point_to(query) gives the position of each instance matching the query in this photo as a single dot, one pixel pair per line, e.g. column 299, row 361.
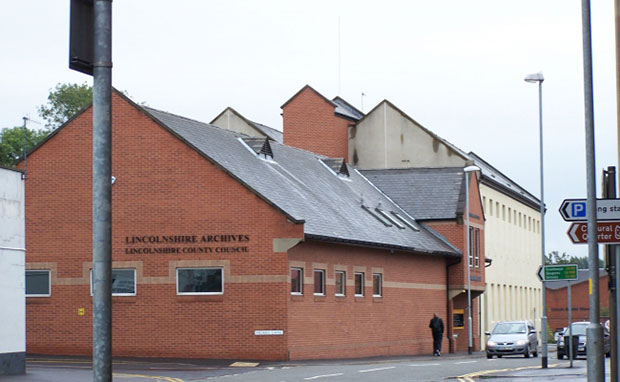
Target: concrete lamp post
column 539, row 78
column 467, row 170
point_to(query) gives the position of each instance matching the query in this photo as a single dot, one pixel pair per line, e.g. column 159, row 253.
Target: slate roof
column 425, row 193
column 347, row 110
column 302, row 187
column 494, row 178
column 272, row 133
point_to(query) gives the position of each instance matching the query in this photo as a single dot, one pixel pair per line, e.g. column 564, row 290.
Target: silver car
column 512, row 337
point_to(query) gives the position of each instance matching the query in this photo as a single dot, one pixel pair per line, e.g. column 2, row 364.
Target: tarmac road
column 452, row 367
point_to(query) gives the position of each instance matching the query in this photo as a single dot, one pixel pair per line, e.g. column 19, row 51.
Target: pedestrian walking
column 436, row 326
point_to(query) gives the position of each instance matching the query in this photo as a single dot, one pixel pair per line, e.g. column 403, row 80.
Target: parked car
column 512, row 337
column 579, row 329
column 559, row 332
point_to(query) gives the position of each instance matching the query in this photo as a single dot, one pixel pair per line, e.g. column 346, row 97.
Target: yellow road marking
column 470, row 377
column 154, row 377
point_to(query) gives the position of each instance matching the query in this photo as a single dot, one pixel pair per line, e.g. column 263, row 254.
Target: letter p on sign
column 579, row 209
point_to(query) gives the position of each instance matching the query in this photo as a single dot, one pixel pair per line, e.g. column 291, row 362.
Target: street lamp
column 467, row 170
column 533, row 78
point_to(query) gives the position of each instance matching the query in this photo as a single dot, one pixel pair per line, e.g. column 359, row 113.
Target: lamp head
column 536, row 77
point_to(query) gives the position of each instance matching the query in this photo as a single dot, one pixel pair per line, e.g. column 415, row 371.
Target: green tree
column 582, row 261
column 12, row 143
column 63, row 102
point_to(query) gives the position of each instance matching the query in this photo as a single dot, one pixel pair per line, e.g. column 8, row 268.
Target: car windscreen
column 578, row 330
column 509, row 328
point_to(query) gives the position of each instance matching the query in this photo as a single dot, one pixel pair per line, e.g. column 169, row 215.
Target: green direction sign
column 557, row 272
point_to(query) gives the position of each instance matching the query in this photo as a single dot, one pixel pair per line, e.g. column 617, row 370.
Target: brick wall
column 394, row 324
column 162, row 187
column 309, row 123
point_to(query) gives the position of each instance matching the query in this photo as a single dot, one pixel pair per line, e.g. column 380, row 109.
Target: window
column 123, row 282
column 359, row 283
column 38, row 283
column 319, row 282
column 474, row 247
column 377, row 285
column 509, row 214
column 503, row 212
column 199, row 281
column 296, row 280
column 341, row 278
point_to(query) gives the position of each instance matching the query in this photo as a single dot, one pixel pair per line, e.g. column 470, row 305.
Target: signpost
column 557, row 272
column 575, row 209
column 606, row 233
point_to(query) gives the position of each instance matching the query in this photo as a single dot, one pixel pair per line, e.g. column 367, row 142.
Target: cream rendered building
column 387, row 138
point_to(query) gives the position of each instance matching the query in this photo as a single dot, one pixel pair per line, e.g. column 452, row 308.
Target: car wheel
column 489, row 356
column 527, row 351
column 499, row 356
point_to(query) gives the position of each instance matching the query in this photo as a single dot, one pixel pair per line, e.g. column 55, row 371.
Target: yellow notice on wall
column 80, row 311
column 589, row 286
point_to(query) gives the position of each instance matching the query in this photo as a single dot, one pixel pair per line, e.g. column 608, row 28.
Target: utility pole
column 609, row 192
column 594, row 332
column 90, row 52
column 102, row 192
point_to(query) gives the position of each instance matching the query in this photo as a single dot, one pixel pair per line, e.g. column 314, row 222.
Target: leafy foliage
column 64, row 102
column 12, row 143
column 582, row 262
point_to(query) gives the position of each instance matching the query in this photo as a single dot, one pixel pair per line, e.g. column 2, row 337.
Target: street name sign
column 606, row 233
column 557, row 272
column 575, row 209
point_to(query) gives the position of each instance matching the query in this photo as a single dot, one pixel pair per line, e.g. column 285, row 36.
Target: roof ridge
column 149, row 109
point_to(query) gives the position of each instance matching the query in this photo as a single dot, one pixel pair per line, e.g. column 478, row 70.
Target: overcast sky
column 456, row 67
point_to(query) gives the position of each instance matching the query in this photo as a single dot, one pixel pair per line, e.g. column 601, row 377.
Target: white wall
column 12, row 263
column 513, row 291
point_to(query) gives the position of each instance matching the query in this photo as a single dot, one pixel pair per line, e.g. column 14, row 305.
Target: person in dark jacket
column 436, row 326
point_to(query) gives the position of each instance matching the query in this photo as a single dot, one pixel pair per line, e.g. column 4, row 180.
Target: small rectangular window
column 297, row 275
column 340, row 283
column 377, row 287
column 123, row 282
column 359, row 284
column 38, row 283
column 199, row 281
column 319, row 282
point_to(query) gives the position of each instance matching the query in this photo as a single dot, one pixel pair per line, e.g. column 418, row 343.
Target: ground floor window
column 199, row 281
column 340, row 283
column 359, row 283
column 123, row 282
column 377, row 284
column 296, row 280
column 319, row 282
column 38, row 283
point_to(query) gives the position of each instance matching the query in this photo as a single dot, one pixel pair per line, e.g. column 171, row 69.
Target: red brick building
column 226, row 246
column 434, row 196
column 557, row 299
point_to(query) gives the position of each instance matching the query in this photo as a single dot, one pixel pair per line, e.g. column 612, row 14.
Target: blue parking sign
column 578, row 209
